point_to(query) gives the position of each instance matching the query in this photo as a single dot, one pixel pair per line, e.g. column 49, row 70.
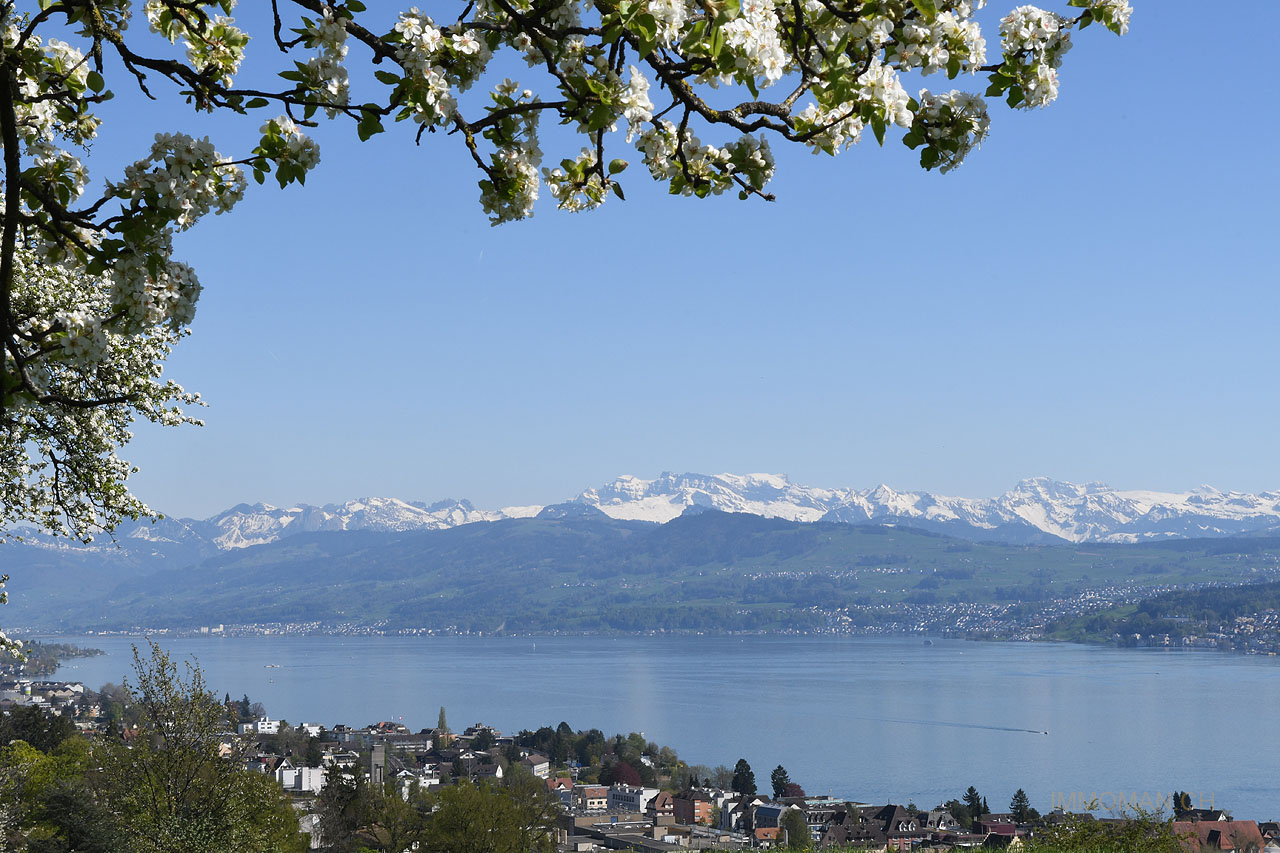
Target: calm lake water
column 868, row 719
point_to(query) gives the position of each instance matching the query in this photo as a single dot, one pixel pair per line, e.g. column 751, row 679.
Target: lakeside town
column 1254, row 632
column 612, row 793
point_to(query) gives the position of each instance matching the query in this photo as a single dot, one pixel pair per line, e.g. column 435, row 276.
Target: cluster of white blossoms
column 292, row 146
column 427, row 88
column 183, row 178
column 671, row 16
column 96, row 357
column 696, row 169
column 85, row 339
column 753, row 36
column 949, row 42
column 952, row 124
column 1114, row 14
column 578, row 185
column 67, row 64
column 511, row 188
column 881, row 89
column 831, row 130
column 213, row 42
column 58, row 166
column 880, row 98
column 326, row 75
column 634, row 99
column 1034, row 42
column 153, row 290
column 62, row 69
column 9, row 646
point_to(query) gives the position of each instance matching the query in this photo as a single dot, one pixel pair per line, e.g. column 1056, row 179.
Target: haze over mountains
column 684, row 551
column 1038, row 510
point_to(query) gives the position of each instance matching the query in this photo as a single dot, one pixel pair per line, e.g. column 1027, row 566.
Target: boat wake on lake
column 910, row 722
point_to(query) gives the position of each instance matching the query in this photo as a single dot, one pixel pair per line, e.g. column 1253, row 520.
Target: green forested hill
column 711, row 571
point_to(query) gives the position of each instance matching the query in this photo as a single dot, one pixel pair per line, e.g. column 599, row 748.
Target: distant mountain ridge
column 1038, row 510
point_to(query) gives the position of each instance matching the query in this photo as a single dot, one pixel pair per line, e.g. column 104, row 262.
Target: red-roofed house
column 1242, row 836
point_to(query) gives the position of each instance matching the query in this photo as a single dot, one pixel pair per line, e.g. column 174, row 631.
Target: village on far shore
column 623, row 792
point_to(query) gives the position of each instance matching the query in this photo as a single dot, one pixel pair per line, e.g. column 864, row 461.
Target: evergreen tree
column 744, row 780
column 973, row 803
column 1020, row 806
column 441, row 723
column 779, row 779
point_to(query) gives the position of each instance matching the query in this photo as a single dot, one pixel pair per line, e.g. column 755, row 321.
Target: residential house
column 487, row 773
column 299, row 780
column 692, row 806
column 537, row 764
column 590, row 798
column 630, row 798
column 661, row 806
column 562, row 789
column 736, row 814
column 1241, row 836
column 938, row 819
column 264, row 726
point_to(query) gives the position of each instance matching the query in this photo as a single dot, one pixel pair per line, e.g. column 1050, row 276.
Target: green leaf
column 618, row 166
column 928, row 8
column 878, row 127
column 717, row 42
column 255, row 103
column 95, row 81
column 646, row 27
column 368, row 126
column 617, row 190
column 386, row 77
column 355, row 5
column 929, row 157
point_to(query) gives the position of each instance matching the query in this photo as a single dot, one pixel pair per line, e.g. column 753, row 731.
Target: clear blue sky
column 1092, row 296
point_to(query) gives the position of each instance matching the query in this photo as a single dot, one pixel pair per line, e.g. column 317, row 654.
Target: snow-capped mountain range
column 1036, row 510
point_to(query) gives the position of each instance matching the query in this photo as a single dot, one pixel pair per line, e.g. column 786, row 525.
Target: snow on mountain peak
column 1037, row 509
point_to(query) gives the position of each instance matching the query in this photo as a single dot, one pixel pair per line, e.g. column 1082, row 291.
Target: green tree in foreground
column 1141, row 833
column 173, row 789
column 170, row 790
column 485, row 819
column 795, row 831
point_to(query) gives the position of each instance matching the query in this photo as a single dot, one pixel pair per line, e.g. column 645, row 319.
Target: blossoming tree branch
column 92, row 299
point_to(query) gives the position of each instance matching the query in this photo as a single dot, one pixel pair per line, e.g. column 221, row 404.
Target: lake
column 871, row 719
